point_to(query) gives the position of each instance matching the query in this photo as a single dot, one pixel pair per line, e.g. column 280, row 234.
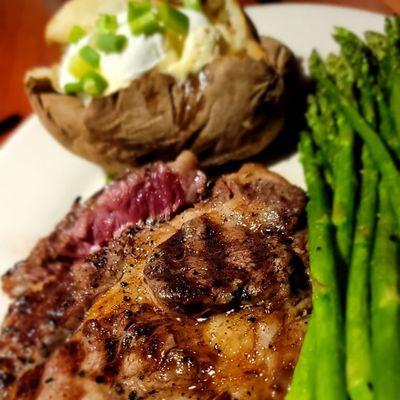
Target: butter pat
column 202, row 46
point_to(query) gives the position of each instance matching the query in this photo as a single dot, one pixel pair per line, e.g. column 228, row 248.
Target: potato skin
column 230, row 111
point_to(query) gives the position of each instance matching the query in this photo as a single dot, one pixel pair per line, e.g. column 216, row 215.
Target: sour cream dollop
column 145, row 52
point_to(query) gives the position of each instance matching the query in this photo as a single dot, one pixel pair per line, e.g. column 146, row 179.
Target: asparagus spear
column 385, row 302
column 392, row 30
column 344, row 190
column 386, row 48
column 358, row 346
column 334, row 112
column 303, row 382
column 329, row 370
column 321, row 136
column 365, row 63
column 395, row 101
column 338, row 67
column 379, row 47
column 376, row 147
column 377, row 43
column 360, row 58
column 386, row 125
column 343, row 162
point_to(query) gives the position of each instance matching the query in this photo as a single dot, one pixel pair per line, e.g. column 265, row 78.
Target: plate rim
column 325, row 7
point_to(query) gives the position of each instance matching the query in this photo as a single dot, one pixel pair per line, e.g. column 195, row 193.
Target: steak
column 210, row 305
column 55, row 299
column 148, row 194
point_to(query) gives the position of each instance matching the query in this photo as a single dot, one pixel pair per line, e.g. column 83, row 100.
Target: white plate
column 39, row 179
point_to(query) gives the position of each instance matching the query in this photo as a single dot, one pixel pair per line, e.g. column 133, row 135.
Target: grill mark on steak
column 154, row 340
column 29, row 384
column 205, row 267
column 149, row 194
column 135, row 344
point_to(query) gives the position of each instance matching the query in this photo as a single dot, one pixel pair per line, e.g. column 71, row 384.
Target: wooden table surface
column 22, row 46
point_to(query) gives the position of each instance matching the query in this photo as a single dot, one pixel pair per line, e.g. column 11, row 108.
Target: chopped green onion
column 110, row 42
column 193, row 4
column 174, row 41
column 73, row 88
column 110, row 177
column 76, row 34
column 145, row 24
column 137, row 8
column 107, row 23
column 90, row 55
column 79, row 67
column 173, row 19
column 94, row 84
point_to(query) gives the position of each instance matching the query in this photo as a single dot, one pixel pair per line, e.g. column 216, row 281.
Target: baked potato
column 229, row 109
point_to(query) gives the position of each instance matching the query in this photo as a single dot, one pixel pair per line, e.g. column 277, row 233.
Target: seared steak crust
column 39, row 321
column 212, row 305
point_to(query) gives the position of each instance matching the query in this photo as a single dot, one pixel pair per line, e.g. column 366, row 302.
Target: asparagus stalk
column 386, row 49
column 327, row 316
column 343, row 162
column 364, row 63
column 377, row 43
column 338, row 67
column 386, row 125
column 395, row 101
column 358, row 346
column 379, row 47
column 344, row 190
column 360, row 58
column 357, row 91
column 303, row 382
column 376, row 147
column 385, row 302
column 392, row 30
column 321, row 136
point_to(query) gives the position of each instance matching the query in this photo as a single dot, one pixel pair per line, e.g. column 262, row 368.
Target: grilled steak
column 211, row 305
column 51, row 310
column 152, row 194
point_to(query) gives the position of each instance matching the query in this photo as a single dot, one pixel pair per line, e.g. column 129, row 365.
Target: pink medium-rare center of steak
column 150, row 194
column 147, row 195
column 153, row 194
